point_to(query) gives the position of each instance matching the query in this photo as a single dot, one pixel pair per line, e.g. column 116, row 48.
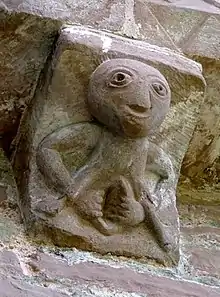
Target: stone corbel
column 100, row 148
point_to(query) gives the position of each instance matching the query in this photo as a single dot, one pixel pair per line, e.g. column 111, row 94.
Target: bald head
column 129, row 97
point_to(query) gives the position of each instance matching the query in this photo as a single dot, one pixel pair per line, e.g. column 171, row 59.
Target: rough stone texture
column 28, row 30
column 10, row 288
column 189, row 29
column 30, row 270
column 200, row 215
column 206, row 261
column 200, row 181
column 184, row 25
column 201, row 241
column 63, row 97
column 193, row 27
column 51, row 275
column 203, row 255
column 11, row 283
column 201, row 5
column 9, row 263
column 188, row 26
column 108, row 191
column 8, row 189
column 106, row 14
column 118, row 278
column 26, row 41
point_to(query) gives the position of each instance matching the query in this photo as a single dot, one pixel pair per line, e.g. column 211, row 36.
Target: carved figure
column 128, row 100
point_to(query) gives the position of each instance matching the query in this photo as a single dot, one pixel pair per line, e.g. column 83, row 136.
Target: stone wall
column 179, row 25
column 29, row 33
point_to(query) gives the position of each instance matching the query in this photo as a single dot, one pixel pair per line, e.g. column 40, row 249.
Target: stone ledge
column 206, row 261
column 60, row 273
column 9, row 263
column 123, row 279
column 10, row 287
column 201, row 5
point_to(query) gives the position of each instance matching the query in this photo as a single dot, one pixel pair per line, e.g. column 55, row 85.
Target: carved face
column 129, row 97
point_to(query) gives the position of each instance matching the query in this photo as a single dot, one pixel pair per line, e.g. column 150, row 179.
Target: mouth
column 138, row 110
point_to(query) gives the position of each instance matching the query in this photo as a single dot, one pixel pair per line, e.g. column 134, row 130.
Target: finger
column 112, row 217
column 125, row 205
column 96, row 204
column 97, row 214
column 98, row 199
column 126, row 199
column 124, row 214
column 119, row 188
column 126, row 186
column 111, row 203
column 97, row 209
column 113, row 211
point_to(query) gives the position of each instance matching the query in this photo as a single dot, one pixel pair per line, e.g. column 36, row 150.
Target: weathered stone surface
column 105, row 14
column 9, row 264
column 200, row 182
column 193, row 27
column 201, row 246
column 216, row 3
column 10, row 287
column 28, row 30
column 8, row 228
column 64, row 97
column 11, row 283
column 123, row 279
column 8, row 189
column 3, row 195
column 206, row 261
column 103, row 192
column 199, row 215
column 84, row 274
column 181, row 25
column 26, row 41
column 189, row 29
column 202, row 5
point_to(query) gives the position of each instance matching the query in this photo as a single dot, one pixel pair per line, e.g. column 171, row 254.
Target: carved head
column 129, row 97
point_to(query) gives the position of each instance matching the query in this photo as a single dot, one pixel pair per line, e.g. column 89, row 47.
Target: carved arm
column 69, row 139
column 160, row 164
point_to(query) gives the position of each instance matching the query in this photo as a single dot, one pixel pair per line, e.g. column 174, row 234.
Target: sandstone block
column 60, row 106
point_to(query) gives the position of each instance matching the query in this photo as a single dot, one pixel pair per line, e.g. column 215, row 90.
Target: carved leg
column 161, row 231
column 162, row 234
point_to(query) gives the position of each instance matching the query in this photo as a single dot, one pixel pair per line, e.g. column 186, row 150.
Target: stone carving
column 131, row 99
column 99, row 150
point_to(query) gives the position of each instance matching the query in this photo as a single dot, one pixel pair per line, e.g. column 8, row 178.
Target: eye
column 160, row 89
column 120, row 79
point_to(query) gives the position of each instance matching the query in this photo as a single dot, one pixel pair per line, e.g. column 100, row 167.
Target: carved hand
column 88, row 203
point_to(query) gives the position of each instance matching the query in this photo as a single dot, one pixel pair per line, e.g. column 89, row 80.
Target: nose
column 141, row 104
